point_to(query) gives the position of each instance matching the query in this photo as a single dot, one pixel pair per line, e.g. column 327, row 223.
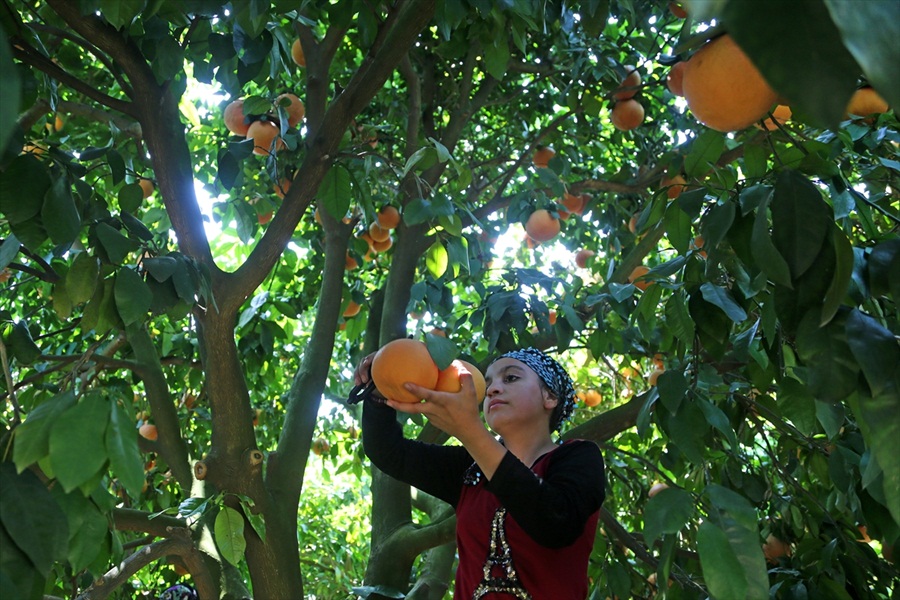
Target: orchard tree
column 212, row 211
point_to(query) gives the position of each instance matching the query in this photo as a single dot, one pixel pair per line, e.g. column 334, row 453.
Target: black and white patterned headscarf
column 554, row 377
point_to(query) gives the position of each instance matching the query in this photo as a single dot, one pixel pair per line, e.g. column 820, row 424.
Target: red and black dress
column 527, row 533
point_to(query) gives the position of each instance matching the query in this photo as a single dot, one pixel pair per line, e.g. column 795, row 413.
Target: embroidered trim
column 500, row 558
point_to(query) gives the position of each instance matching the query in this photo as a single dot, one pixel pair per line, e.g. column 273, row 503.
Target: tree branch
column 129, row 519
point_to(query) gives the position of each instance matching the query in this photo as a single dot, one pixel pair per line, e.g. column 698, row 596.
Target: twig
column 9, row 385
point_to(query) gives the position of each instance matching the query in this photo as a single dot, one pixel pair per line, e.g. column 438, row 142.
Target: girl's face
column 515, row 395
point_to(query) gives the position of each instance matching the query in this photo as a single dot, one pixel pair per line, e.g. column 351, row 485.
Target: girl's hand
column 455, row 413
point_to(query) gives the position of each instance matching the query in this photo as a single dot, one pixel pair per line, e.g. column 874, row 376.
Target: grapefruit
column 542, row 156
column 297, row 53
column 234, row 118
column 448, row 379
column 263, row 134
column 866, row 102
column 627, row 115
column 542, row 226
column 402, row 361
column 629, row 86
column 292, row 106
column 723, row 89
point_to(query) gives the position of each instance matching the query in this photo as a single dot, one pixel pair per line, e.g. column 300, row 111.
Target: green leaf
column 870, row 31
column 335, row 193
column 722, row 298
column 722, row 573
column 704, row 153
column 77, row 441
column 800, row 221
column 442, row 350
column 229, row 534
column 116, row 245
column 32, row 438
column 678, row 227
column 667, row 512
column 843, row 273
column 257, row 520
column 32, row 517
column 88, row 527
column 23, row 184
column 120, row 13
column 9, row 249
column 878, row 354
column 10, row 92
column 130, row 197
column 133, row 297
column 496, row 57
column 122, row 448
column 437, row 259
column 764, row 251
column 116, row 165
column 716, row 417
column 678, row 319
column 798, row 405
column 808, row 65
column 22, row 345
column 81, row 280
column 831, row 367
column 672, row 386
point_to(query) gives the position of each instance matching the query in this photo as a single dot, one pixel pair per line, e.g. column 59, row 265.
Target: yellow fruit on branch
column 674, row 186
column 402, row 361
column 388, row 216
column 146, row 187
column 583, row 256
column 635, row 277
column 148, row 431
column 780, row 116
column 723, row 89
column 866, row 102
column 675, row 78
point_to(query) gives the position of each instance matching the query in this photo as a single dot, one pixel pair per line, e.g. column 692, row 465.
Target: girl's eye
column 509, row 378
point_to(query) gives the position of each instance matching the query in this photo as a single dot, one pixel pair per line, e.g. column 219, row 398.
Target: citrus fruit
column 639, row 271
column 629, row 86
column 657, row 488
column 542, row 226
column 866, row 102
column 146, row 187
column 673, row 186
column 378, row 233
column 234, row 118
column 780, row 116
column 592, row 398
column 352, row 310
column 293, row 107
column 148, row 431
column 388, row 216
column 627, row 115
column 582, row 257
column 263, row 134
column 448, row 379
column 723, row 89
column 675, row 78
column 402, row 361
column 542, row 156
column 297, row 53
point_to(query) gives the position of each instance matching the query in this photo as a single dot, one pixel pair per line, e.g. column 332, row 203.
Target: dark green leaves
column 133, row 297
column 667, row 512
column 229, row 534
column 334, row 192
column 59, row 213
column 870, row 31
column 23, row 185
column 33, row 519
column 800, row 221
column 9, row 92
column 77, row 442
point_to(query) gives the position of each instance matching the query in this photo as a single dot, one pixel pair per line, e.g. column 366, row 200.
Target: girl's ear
column 550, row 401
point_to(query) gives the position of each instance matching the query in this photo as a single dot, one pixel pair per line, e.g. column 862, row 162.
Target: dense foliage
column 179, row 323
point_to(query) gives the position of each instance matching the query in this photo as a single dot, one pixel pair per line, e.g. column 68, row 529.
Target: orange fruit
column 866, row 102
column 657, row 488
column 573, row 203
column 233, row 116
column 542, row 156
column 632, row 223
column 723, row 89
column 350, row 263
column 388, row 216
column 658, row 361
column 673, row 186
column 148, row 431
column 264, row 217
column 146, row 186
column 629, row 86
column 675, row 78
column 402, row 361
column 582, row 257
column 780, row 116
column 448, row 379
column 551, row 317
column 320, row 446
column 592, row 398
column 382, row 246
column 541, row 226
column 294, row 109
column 627, row 115
column 378, row 233
column 639, row 271
column 352, row 310
column 297, row 53
column 653, row 377
column 263, row 134
column 775, row 548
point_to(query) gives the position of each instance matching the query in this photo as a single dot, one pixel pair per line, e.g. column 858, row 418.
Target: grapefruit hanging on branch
column 723, row 89
column 400, row 361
